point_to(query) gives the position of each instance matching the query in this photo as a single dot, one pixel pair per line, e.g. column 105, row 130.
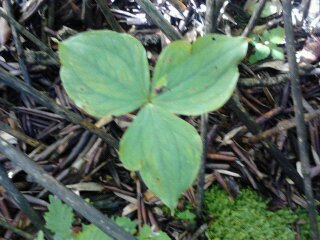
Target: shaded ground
column 77, row 157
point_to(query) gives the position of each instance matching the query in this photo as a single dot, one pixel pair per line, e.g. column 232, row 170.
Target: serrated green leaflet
column 59, row 219
column 126, row 223
column 104, row 72
column 202, row 78
column 165, row 149
column 92, row 232
column 146, row 233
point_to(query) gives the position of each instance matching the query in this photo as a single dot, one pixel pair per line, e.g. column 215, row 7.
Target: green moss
column 304, row 226
column 246, row 218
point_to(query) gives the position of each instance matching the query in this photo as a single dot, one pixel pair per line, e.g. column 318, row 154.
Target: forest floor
column 252, row 141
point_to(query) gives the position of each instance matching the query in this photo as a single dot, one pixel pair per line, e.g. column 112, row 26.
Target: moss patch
column 247, row 218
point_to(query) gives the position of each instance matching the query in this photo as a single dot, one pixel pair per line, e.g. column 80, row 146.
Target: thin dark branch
column 18, row 44
column 70, row 198
column 201, row 174
column 109, row 16
column 212, row 14
column 22, row 202
column 264, row 81
column 21, row 136
column 42, row 99
column 6, row 225
column 237, row 108
column 283, row 125
column 159, row 20
column 30, row 36
column 298, row 109
column 51, row 13
column 203, row 228
column 21, row 57
column 255, row 15
column 213, row 9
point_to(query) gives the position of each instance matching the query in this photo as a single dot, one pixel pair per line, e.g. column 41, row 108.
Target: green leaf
column 161, row 236
column 104, row 72
column 202, row 77
column 276, row 52
column 186, row 215
column 255, row 38
column 126, row 223
column 265, row 38
column 261, row 51
column 269, row 9
column 277, row 35
column 252, row 59
column 168, row 60
column 59, row 219
column 147, row 234
column 166, row 150
column 40, row 236
column 91, row 232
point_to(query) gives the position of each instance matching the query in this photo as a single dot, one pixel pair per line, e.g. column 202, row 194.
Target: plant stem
column 213, row 9
column 201, row 174
column 298, row 109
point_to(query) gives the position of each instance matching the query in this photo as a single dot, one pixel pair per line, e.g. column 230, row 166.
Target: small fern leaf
column 93, row 233
column 126, row 223
column 59, row 219
column 146, row 233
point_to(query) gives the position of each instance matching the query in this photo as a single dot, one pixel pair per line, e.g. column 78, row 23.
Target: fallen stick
column 70, row 198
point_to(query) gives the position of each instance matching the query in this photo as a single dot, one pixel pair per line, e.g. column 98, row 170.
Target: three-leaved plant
column 106, row 73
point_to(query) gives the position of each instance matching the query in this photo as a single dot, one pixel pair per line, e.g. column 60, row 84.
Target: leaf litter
column 79, row 159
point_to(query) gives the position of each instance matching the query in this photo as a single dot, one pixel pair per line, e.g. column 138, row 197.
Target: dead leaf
column 311, row 51
column 5, row 31
column 86, row 186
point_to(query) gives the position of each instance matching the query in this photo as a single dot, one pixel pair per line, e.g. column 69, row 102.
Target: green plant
column 59, row 220
column 146, row 233
column 107, row 73
column 246, row 217
column 270, row 8
column 186, row 215
column 304, row 224
column 266, row 45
